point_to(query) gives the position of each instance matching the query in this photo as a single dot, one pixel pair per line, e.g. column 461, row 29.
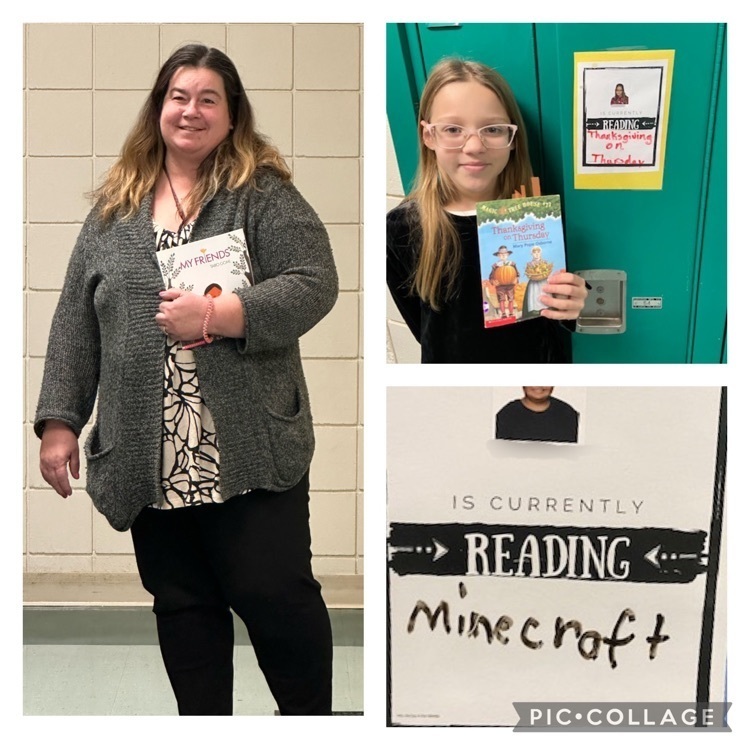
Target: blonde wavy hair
column 439, row 257
column 232, row 164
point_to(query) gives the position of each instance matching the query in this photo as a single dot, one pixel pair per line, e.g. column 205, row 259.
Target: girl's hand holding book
column 565, row 294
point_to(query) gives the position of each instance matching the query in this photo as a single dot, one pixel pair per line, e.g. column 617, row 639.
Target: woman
column 202, row 453
column 537, row 272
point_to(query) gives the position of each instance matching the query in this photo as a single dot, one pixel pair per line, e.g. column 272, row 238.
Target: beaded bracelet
column 207, row 337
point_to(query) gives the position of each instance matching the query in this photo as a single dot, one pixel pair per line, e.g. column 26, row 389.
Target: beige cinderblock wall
column 84, row 84
column 401, row 347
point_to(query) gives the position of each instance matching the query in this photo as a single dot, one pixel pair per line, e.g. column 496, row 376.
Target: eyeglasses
column 455, row 136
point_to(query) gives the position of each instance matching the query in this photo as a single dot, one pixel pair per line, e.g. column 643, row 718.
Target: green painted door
column 671, row 242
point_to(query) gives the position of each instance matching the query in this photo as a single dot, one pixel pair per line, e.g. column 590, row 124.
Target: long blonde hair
column 232, row 163
column 439, row 257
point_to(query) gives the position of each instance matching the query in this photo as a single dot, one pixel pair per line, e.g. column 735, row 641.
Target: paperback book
column 520, row 246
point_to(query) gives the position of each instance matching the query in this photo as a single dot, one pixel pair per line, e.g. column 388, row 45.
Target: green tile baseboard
column 110, row 626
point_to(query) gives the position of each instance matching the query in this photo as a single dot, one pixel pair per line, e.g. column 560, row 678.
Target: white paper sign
column 522, row 571
column 621, row 118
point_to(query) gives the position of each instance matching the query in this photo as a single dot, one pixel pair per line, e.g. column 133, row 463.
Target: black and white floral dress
column 190, row 451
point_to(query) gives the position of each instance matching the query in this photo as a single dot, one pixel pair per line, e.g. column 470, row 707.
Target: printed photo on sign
column 539, row 413
column 525, row 572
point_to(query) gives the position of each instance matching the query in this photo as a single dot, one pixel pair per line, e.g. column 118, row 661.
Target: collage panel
column 541, row 205
column 192, row 296
column 558, row 577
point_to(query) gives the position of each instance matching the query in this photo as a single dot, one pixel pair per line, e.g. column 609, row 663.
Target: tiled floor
column 106, row 662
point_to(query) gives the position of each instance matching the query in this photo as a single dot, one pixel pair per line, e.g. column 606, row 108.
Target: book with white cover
column 210, row 266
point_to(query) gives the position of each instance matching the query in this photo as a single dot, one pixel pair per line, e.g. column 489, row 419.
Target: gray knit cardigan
column 104, row 338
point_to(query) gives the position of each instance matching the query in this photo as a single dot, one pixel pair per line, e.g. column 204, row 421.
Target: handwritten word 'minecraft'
column 531, row 634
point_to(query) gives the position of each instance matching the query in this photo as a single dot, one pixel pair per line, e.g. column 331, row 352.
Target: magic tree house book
column 520, row 246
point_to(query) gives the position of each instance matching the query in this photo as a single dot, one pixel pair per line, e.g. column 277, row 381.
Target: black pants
column 250, row 553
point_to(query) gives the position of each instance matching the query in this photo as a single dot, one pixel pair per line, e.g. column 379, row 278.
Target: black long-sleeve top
column 456, row 332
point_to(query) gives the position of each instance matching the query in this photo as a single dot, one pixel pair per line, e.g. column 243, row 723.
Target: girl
column 473, row 148
column 620, row 96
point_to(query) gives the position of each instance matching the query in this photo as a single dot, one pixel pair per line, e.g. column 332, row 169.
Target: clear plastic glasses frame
column 454, row 137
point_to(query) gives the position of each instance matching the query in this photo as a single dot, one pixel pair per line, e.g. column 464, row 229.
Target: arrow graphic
column 655, row 555
column 440, row 550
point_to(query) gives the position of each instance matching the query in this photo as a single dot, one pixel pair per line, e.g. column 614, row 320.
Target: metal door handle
column 604, row 311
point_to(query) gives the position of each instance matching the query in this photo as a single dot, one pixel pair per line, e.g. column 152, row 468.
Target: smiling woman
column 203, row 454
column 195, row 115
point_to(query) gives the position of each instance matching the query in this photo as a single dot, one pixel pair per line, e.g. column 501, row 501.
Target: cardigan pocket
column 93, row 448
column 292, row 440
column 101, row 482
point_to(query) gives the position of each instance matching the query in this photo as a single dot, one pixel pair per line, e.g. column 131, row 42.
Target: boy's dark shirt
column 557, row 424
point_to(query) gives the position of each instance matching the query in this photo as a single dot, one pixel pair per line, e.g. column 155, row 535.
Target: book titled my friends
column 520, row 246
column 215, row 265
